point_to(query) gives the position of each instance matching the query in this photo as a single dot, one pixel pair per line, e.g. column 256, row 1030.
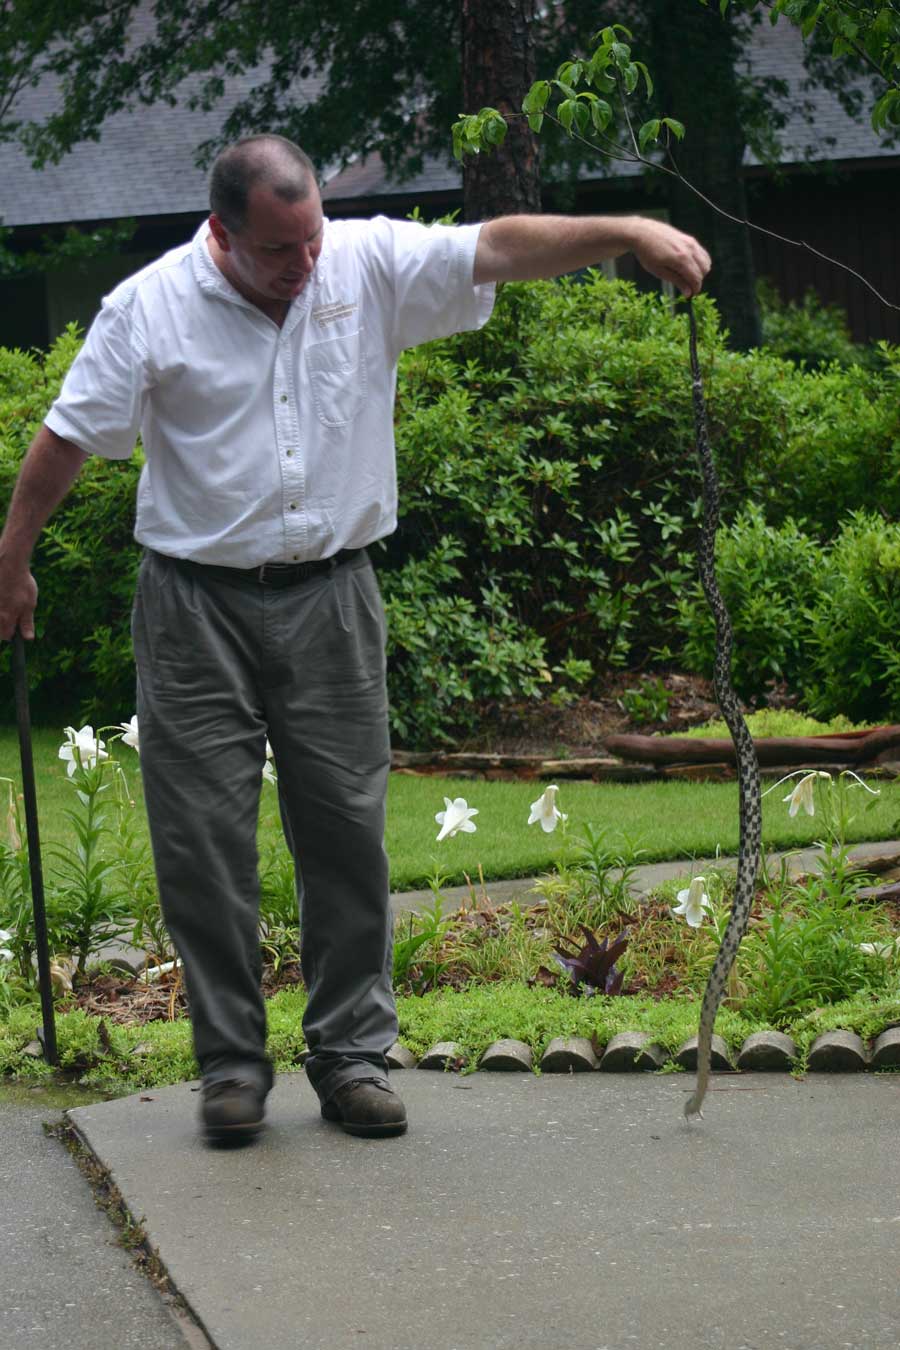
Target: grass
column 105, row 1059
column 664, row 819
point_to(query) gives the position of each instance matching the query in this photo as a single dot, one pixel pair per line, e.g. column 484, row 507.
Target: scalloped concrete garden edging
column 634, row 1051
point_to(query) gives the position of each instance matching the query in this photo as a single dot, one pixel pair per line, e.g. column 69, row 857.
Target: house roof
column 143, row 164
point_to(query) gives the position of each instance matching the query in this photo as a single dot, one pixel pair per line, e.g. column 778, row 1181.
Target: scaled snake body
column 747, row 765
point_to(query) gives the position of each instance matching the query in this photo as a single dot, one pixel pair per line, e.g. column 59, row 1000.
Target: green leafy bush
column 839, row 449
column 553, row 452
column 854, row 657
column 85, row 561
column 810, row 333
column 769, row 577
column 824, row 618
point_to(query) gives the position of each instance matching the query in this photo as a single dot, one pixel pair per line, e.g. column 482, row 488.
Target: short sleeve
column 99, row 405
column 432, row 268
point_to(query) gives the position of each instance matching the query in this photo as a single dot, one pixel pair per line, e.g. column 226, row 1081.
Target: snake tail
column 745, row 752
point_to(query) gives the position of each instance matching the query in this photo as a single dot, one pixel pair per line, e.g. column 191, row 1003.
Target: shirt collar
column 206, row 274
column 212, row 281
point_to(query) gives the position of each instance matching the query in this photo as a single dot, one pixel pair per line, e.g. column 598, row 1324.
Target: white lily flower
column 130, row 730
column 82, row 749
column 803, row 793
column 692, row 902
column 5, row 952
column 546, row 811
column 268, row 773
column 457, row 816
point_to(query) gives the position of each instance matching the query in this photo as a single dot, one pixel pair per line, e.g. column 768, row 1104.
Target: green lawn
column 666, row 819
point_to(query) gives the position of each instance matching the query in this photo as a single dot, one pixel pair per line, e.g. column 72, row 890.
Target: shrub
column 810, row 333
column 823, row 618
column 553, row 451
column 769, row 577
column 447, row 651
column 839, row 450
column 85, row 560
column 854, row 659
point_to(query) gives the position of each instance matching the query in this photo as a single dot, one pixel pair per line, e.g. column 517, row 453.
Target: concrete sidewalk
column 577, row 1212
column 66, row 1283
column 646, row 876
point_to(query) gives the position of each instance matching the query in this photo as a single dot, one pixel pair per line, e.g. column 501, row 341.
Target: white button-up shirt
column 267, row 444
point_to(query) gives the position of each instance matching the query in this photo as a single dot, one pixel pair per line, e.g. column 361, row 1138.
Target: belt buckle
column 269, row 580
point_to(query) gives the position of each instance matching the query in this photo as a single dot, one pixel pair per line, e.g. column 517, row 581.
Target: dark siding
column 852, row 217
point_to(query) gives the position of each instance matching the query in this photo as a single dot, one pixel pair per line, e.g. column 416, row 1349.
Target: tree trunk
column 498, row 70
column 693, row 64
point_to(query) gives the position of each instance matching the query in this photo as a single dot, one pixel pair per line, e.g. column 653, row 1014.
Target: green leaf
column 570, row 72
column 648, row 132
column 630, row 78
column 535, row 121
column 676, row 128
column 495, row 129
column 886, row 113
column 646, row 74
column 535, row 101
column 601, row 114
column 566, row 113
column 598, row 67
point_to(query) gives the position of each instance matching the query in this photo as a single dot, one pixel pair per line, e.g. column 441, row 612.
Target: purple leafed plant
column 592, row 968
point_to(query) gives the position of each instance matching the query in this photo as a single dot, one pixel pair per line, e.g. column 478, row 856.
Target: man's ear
column 220, row 234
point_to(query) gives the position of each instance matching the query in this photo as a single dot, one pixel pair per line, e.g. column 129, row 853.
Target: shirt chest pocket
column 337, row 375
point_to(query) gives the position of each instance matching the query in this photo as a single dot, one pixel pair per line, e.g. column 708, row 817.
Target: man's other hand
column 18, row 598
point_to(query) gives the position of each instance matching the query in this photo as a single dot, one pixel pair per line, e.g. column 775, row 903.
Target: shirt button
column 293, row 506
column 284, row 398
column 288, row 453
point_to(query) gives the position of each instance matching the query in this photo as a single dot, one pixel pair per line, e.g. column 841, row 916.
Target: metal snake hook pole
column 20, row 682
column 744, row 749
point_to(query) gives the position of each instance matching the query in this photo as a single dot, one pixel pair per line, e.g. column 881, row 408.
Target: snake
column 750, row 803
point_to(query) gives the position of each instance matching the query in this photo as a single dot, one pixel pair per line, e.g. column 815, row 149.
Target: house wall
column 34, row 310
column 851, row 217
column 23, row 312
column 74, row 295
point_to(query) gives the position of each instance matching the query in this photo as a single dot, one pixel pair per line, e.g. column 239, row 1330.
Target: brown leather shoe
column 232, row 1111
column 366, row 1106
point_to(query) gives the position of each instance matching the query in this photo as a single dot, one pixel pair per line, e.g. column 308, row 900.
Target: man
column 258, row 364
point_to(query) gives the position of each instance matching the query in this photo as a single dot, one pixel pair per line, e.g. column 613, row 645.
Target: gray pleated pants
column 221, row 664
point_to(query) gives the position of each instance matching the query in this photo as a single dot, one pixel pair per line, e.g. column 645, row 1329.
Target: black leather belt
column 269, row 574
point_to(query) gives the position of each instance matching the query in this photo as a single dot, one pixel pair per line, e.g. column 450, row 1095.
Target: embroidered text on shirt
column 340, row 309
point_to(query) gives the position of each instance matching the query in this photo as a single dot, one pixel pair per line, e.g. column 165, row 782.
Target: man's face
column 273, row 256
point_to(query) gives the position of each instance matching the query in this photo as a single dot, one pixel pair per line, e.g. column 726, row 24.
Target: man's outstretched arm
column 48, row 471
column 532, row 248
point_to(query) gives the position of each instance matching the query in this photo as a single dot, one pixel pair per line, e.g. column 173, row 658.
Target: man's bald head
column 266, row 161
